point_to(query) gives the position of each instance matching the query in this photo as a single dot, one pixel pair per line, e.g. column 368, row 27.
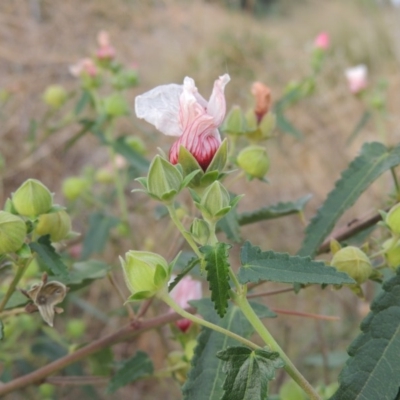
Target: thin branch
column 270, row 293
column 122, row 334
column 77, row 380
column 304, row 314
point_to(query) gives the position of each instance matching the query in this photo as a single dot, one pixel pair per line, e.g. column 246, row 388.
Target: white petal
column 160, row 107
column 217, row 106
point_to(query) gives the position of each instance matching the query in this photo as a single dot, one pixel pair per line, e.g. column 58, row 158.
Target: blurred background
column 254, row 40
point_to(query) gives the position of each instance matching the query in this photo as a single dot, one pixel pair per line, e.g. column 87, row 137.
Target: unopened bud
column 12, row 232
column 200, row 231
column 234, row 123
column 254, row 161
column 354, row 262
column 73, row 187
column 215, row 202
column 32, row 198
column 393, row 219
column 136, row 144
column 55, row 96
column 145, row 273
column 56, row 224
column 116, row 105
column 392, row 253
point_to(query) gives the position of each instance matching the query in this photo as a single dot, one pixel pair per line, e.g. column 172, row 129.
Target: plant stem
column 243, row 304
column 171, row 303
column 21, row 268
column 183, row 231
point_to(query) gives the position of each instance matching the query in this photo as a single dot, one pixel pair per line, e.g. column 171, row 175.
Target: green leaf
column 281, row 267
column 285, row 125
column 365, row 117
column 373, row 369
column 17, row 299
column 191, row 264
column 135, row 159
column 82, row 102
column 1, row 331
column 373, row 161
column 248, row 372
column 49, row 257
column 87, row 125
column 262, row 310
column 205, row 379
column 97, row 235
column 137, row 367
column 100, row 363
column 275, row 211
column 230, row 226
column 217, row 267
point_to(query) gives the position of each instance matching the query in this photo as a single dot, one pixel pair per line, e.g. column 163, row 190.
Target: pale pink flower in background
column 86, row 65
column 105, row 51
column 322, row 41
column 357, row 78
column 186, row 290
column 179, row 110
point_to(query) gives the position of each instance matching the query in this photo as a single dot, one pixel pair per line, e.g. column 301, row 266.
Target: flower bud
column 215, row 202
column 116, row 105
column 354, row 262
column 55, row 96
column 393, row 219
column 254, row 161
column 136, row 144
column 164, row 180
column 12, row 232
column 200, row 231
column 145, row 273
column 32, row 198
column 73, row 187
column 234, row 123
column 392, row 253
column 56, row 224
column 104, row 175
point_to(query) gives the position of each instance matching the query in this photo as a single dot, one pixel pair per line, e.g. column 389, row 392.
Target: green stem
column 183, row 231
column 21, row 268
column 242, row 302
column 171, row 303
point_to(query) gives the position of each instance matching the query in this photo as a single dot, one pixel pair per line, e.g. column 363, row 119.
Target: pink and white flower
column 105, row 51
column 83, row 66
column 179, row 110
column 322, row 41
column 186, row 290
column 357, row 78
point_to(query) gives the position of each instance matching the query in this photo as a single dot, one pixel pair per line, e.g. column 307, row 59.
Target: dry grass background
column 169, row 39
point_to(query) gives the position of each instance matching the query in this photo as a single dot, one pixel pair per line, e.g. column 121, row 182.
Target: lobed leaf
column 217, row 267
column 373, row 161
column 206, row 377
column 373, row 369
column 248, row 372
column 281, row 267
column 49, row 257
column 133, row 369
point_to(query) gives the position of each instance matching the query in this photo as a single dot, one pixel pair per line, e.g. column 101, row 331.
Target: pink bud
column 179, row 110
column 105, row 51
column 357, row 78
column 187, row 289
column 262, row 96
column 85, row 65
column 322, row 41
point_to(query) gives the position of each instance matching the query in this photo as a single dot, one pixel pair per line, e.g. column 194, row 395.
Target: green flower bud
column 254, row 161
column 73, row 187
column 12, row 232
column 393, row 219
column 116, row 105
column 104, row 175
column 215, row 202
column 75, row 328
column 392, row 253
column 164, row 180
column 32, row 198
column 234, row 123
column 55, row 96
column 354, row 262
column 136, row 144
column 145, row 273
column 56, row 224
column 200, row 231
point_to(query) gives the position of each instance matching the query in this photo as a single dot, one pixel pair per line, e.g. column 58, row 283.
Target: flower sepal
column 257, row 132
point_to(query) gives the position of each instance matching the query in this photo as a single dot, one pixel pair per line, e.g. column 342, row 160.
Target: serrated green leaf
column 137, row 367
column 49, row 257
column 281, row 267
column 248, row 372
column 275, row 211
column 217, row 267
column 205, row 379
column 373, row 161
column 373, row 369
column 97, row 235
column 1, row 331
column 135, row 159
